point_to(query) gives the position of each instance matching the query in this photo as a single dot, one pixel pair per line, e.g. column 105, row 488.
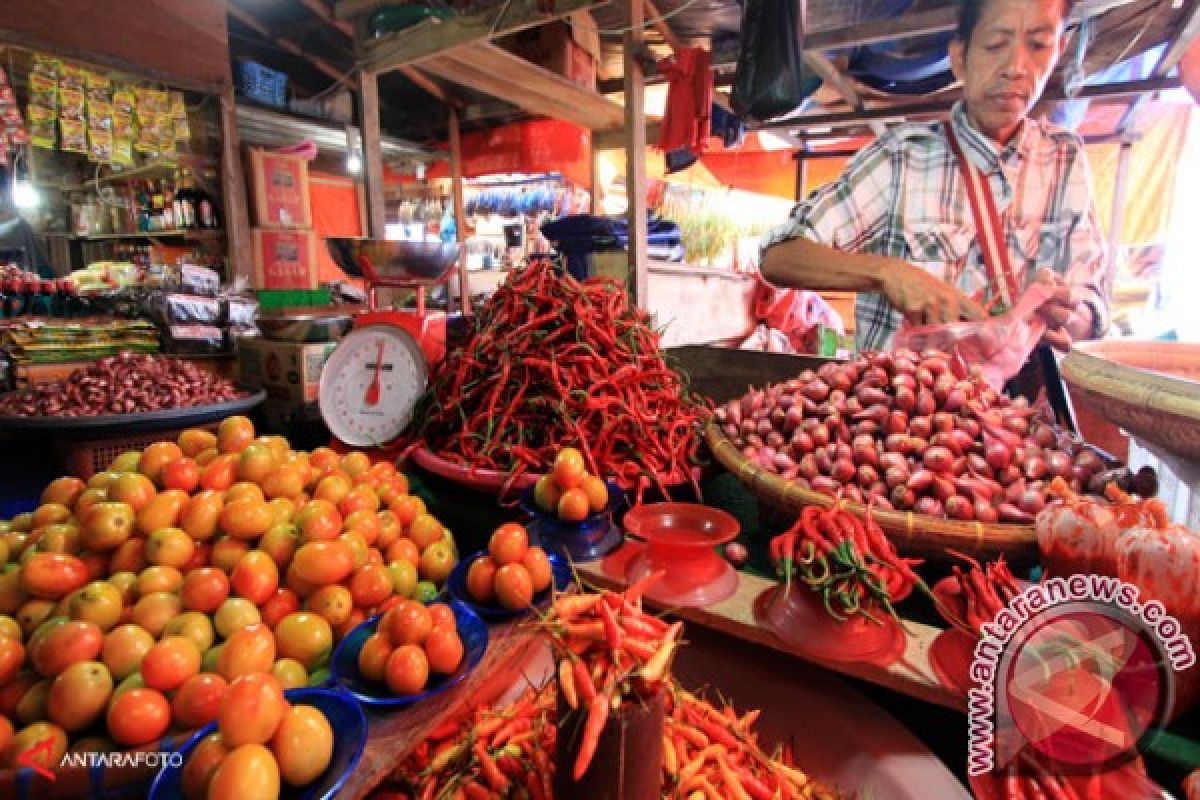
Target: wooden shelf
column 182, row 160
column 202, row 233
column 909, row 675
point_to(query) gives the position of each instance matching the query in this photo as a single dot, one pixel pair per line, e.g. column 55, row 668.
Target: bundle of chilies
column 847, row 560
column 972, row 597
column 909, row 431
column 611, row 653
column 555, row 363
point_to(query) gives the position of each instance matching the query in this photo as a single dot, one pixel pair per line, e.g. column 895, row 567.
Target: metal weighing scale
column 371, row 383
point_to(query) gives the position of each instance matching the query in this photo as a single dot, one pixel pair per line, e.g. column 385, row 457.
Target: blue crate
column 261, row 83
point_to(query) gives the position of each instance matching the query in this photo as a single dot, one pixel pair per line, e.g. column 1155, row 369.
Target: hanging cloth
column 688, row 118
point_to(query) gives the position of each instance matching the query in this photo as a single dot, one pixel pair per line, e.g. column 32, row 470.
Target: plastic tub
column 681, row 541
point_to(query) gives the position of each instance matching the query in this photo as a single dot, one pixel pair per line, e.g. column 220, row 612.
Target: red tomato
column 407, row 669
column 568, row 469
column 514, row 587
column 79, row 695
column 198, row 700
column 508, row 543
column 138, row 716
column 252, row 710
column 481, row 577
column 182, row 473
column 444, row 650
column 573, row 505
column 204, row 589
column 256, row 577
column 278, row 606
column 53, row 575
column 169, row 663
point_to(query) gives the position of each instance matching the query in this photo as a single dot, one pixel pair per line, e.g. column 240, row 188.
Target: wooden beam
column 321, row 64
column 368, row 114
column 326, row 15
column 430, row 38
column 1116, row 224
column 460, row 212
column 663, row 27
column 346, row 9
column 905, row 26
column 635, row 154
column 1188, row 31
column 233, row 190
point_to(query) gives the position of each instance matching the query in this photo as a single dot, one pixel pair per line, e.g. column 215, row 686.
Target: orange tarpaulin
column 532, row 147
column 335, row 212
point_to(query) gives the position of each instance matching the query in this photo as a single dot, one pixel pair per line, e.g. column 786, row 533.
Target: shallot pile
column 909, row 431
column 122, row 384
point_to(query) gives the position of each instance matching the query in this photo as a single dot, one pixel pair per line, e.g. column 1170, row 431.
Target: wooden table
column 911, row 674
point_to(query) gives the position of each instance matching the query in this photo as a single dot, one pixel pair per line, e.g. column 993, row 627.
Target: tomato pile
column 410, row 641
column 554, row 362
column 569, row 491
column 261, row 740
column 132, row 604
column 511, row 572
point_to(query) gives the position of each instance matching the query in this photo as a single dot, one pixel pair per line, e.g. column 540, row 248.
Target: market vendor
column 900, row 224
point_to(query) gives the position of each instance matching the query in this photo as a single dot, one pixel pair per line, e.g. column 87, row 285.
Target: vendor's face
column 1005, row 66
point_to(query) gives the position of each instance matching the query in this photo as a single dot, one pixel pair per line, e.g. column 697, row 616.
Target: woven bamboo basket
column 913, row 534
column 1151, row 389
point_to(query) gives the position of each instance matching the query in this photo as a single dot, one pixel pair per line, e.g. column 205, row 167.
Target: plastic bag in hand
column 999, row 345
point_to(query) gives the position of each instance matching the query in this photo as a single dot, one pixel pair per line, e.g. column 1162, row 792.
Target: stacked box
column 285, row 246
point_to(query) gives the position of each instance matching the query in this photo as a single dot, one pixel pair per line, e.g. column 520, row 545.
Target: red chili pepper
column 593, row 726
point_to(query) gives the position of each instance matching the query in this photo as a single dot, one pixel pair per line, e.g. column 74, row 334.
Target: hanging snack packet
column 46, row 66
column 71, row 104
column 176, row 106
column 99, row 87
column 72, row 77
column 122, row 151
column 147, row 140
column 74, row 136
column 124, row 100
column 122, row 124
column 166, row 145
column 183, row 131
column 100, row 145
column 43, row 90
column 100, row 115
column 41, row 126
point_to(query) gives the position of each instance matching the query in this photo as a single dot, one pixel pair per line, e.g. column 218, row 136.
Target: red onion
column 959, row 508
column 938, row 459
column 921, row 426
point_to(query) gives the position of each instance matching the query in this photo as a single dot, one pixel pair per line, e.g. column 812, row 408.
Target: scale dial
column 370, row 385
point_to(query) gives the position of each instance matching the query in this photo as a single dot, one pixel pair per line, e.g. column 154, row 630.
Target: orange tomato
column 323, row 458
column 370, row 585
column 355, row 463
column 333, row 487
column 204, row 589
column 89, row 499
column 159, row 578
column 546, row 493
column 220, row 473
column 323, row 563
column 514, row 587
column 12, row 594
column 293, row 581
column 437, row 562
column 246, row 519
column 255, row 463
column 36, row 736
column 198, row 700
column 303, row 745
column 334, row 603
column 252, row 710
column 79, row 695
column 126, row 583
column 192, row 625
column 170, row 547
column 568, row 469
column 508, row 544
column 365, row 523
column 306, row 637
column 49, row 514
column 290, row 673
column 373, row 657
column 356, row 618
column 442, row 615
column 282, row 509
column 481, row 576
column 155, row 610
column 123, row 649
column 360, row 498
column 162, row 512
column 359, row 550
column 133, row 488
column 155, row 457
column 201, row 514
column 64, row 491
column 198, row 771
column 138, row 716
column 403, row 549
column 226, row 552
column 407, row 670
column 12, row 658
column 234, row 434
column 244, row 490
column 318, row 520
column 130, row 556
column 390, row 529
column 281, row 603
column 32, row 615
column 280, row 543
column 256, row 577
column 408, row 623
column 12, row 692
column 6, row 736
column 206, row 457
column 234, row 614
column 282, row 482
column 53, row 575
column 32, row 705
column 248, row 650
column 195, row 440
column 182, row 474
column 407, row 508
column 597, row 493
column 444, row 650
column 249, row 772
column 425, row 530
column 99, row 602
column 169, row 663
column 538, row 566
column 573, row 505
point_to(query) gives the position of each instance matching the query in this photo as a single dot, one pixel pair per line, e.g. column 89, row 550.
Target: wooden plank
column 910, row 675
column 635, row 155
column 233, row 190
column 460, row 212
column 905, row 26
column 489, row 69
column 345, row 9
column 252, row 22
column 428, row 39
column 368, row 113
column 663, row 27
column 326, row 15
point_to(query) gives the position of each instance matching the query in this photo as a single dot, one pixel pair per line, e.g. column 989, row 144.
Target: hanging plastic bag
column 771, row 78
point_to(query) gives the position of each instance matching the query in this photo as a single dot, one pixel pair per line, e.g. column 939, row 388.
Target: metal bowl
column 304, row 327
column 413, row 262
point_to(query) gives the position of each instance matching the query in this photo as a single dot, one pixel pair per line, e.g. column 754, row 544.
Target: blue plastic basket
column 261, row 83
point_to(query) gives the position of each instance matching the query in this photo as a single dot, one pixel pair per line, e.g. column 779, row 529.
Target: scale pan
column 394, row 260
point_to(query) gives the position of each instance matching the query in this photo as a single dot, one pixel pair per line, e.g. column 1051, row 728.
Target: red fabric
column 793, row 312
column 688, row 116
column 334, row 213
column 533, row 147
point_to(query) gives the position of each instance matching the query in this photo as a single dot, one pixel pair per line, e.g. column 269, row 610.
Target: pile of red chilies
column 849, row 561
column 553, row 363
column 978, row 594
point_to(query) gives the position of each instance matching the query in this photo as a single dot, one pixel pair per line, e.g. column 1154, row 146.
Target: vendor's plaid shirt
column 903, row 196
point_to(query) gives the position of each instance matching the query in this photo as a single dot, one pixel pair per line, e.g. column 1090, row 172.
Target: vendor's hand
column 924, row 299
column 1059, row 310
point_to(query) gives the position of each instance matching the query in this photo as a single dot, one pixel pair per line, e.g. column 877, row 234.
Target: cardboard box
column 554, row 47
column 278, row 190
column 284, row 259
column 289, row 371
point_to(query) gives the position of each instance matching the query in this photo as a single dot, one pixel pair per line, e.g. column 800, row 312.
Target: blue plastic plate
column 616, row 501
column 593, row 538
column 344, row 665
column 349, row 726
column 456, row 585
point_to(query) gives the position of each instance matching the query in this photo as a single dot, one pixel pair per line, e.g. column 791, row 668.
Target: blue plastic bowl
column 456, row 585
column 349, row 726
column 594, row 537
column 344, row 665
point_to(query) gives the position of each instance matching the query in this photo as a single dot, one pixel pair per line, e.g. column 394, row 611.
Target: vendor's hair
column 970, row 11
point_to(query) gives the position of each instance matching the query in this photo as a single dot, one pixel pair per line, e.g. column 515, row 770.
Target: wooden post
column 372, row 152
column 801, row 171
column 1116, row 226
column 635, row 153
column 460, row 213
column 233, row 187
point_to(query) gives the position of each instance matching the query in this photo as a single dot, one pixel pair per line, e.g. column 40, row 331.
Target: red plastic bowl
column 681, row 527
column 680, row 541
